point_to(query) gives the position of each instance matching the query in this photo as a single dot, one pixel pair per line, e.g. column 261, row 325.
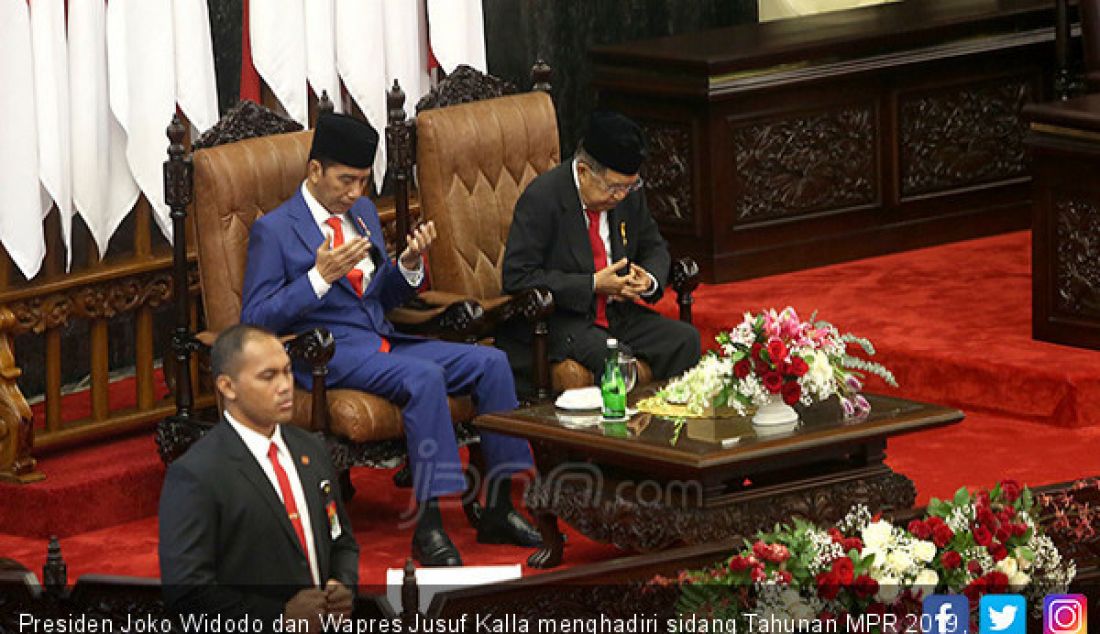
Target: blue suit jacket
column 282, row 248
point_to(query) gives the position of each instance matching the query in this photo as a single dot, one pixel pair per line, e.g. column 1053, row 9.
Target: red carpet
column 952, row 322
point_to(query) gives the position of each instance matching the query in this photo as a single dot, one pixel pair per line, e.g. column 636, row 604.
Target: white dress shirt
column 605, row 234
column 258, row 445
column 321, row 215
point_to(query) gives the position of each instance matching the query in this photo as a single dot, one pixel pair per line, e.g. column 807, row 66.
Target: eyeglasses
column 618, row 189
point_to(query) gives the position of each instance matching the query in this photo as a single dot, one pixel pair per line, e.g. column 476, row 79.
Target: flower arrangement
column 775, row 354
column 988, row 542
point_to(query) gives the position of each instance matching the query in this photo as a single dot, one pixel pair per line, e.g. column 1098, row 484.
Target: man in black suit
column 584, row 231
column 251, row 520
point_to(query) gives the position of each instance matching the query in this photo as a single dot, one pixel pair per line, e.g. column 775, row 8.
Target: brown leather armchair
column 236, row 180
column 473, row 161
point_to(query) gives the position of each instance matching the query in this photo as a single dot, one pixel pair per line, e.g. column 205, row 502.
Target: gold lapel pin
column 622, row 232
column 305, row 461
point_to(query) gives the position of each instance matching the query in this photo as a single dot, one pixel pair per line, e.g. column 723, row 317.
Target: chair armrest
column 684, row 279
column 458, row 320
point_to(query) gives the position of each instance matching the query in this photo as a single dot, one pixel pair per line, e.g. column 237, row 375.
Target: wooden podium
column 1064, row 139
column 802, row 142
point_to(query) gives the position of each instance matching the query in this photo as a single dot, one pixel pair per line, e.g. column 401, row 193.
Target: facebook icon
column 946, row 614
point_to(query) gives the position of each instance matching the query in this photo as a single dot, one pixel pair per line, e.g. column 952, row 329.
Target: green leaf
column 962, row 497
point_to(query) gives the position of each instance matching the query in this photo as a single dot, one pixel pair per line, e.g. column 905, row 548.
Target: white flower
column 1008, row 566
column 887, row 589
column 927, row 579
column 877, row 535
column 899, row 561
column 1018, row 581
column 923, row 551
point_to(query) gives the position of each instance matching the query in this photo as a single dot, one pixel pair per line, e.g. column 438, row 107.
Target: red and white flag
column 142, row 70
column 196, row 86
column 23, row 204
column 278, row 41
column 361, row 62
column 104, row 192
column 456, row 31
column 321, row 50
column 51, row 101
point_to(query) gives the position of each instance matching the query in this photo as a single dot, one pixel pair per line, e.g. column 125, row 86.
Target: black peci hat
column 344, row 140
column 615, row 141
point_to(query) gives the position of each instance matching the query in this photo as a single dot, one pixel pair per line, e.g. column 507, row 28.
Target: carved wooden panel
column 1077, row 260
column 962, row 135
column 667, row 171
column 806, row 163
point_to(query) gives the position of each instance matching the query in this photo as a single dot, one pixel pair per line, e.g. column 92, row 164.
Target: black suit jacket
column 548, row 247
column 226, row 544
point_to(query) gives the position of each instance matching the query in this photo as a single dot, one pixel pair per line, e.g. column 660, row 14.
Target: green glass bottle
column 612, row 387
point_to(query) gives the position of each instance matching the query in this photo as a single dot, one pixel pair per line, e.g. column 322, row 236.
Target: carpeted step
column 953, row 323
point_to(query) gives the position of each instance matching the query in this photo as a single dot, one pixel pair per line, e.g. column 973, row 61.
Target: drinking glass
column 628, row 366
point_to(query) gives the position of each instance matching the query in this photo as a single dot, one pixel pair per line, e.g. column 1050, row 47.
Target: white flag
column 457, row 33
column 22, row 206
column 407, row 50
column 277, row 31
column 51, row 100
column 361, row 62
column 104, row 192
column 320, row 48
column 141, row 67
column 196, row 86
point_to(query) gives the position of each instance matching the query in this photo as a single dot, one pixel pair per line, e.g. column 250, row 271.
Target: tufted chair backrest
column 473, row 162
column 235, row 184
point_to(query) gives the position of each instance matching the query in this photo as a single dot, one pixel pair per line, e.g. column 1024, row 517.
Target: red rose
column 742, row 368
column 942, row 535
column 1011, row 489
column 997, row 582
column 988, row 519
column 973, row 567
column 784, row 577
column 975, row 589
column 919, row 529
column 865, row 586
column 761, row 367
column 773, row 382
column 837, row 536
column 777, row 350
column 997, row 551
column 757, row 348
column 843, row 568
column 1019, row 530
column 828, row 586
column 852, row 543
column 1002, row 533
column 792, row 391
column 799, row 367
column 935, row 521
column 758, row 574
column 951, row 560
column 982, row 536
column 739, row 563
column 760, row 549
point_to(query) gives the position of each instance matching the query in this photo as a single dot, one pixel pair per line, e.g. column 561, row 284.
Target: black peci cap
column 344, row 140
column 615, row 141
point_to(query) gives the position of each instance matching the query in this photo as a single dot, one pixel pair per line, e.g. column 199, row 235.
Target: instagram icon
column 1065, row 614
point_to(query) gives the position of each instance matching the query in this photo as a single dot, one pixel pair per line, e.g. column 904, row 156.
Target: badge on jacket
column 334, row 528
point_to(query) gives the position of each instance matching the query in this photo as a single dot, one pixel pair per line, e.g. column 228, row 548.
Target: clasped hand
column 311, row 604
column 622, row 287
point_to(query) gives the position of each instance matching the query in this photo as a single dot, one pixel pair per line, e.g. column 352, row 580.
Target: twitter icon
column 1003, row 614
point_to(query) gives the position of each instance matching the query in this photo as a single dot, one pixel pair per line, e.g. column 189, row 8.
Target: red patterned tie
column 599, row 260
column 355, row 276
column 288, row 498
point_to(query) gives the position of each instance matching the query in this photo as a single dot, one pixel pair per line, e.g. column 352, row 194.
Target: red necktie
column 355, row 276
column 599, row 260
column 288, row 498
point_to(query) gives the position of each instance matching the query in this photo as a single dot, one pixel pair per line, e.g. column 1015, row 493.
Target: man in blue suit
column 319, row 260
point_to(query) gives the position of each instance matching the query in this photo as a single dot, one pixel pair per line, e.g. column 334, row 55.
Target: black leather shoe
column 512, row 528
column 434, row 548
